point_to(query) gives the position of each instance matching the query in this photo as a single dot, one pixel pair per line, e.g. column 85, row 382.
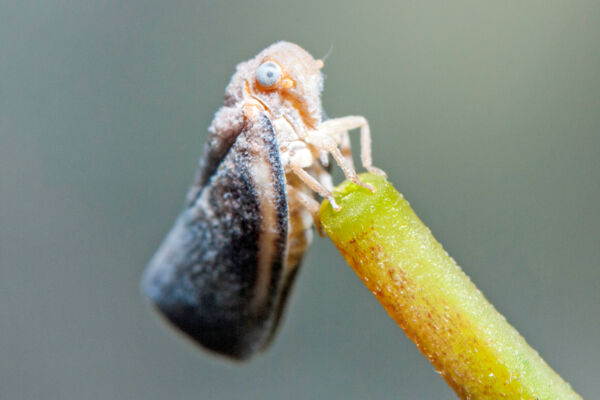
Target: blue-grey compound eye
column 268, row 74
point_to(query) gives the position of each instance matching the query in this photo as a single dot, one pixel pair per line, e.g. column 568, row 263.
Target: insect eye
column 268, row 74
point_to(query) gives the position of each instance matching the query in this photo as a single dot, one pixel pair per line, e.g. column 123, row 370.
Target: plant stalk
column 468, row 341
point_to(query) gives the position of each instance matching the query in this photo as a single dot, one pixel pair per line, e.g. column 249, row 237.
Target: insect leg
column 323, row 175
column 311, row 205
column 321, row 141
column 333, row 126
column 346, row 148
column 315, row 185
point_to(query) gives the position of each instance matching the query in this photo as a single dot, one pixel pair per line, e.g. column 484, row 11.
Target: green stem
column 477, row 352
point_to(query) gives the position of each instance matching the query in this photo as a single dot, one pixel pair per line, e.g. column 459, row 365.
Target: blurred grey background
column 486, row 115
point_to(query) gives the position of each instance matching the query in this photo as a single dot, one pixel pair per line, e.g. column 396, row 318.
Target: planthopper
column 223, row 273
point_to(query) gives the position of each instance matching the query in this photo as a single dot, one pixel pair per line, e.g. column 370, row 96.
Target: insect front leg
column 346, row 148
column 334, row 126
column 328, row 143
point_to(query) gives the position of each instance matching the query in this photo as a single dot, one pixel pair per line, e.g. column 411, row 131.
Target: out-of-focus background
column 486, row 115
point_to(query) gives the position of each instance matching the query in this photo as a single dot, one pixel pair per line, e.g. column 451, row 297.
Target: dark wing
column 224, row 129
column 217, row 274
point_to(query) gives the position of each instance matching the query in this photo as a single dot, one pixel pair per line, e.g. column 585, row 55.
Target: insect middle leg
column 333, row 127
column 311, row 205
column 315, row 185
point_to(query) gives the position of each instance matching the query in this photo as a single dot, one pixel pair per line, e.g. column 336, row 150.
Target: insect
column 223, row 273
